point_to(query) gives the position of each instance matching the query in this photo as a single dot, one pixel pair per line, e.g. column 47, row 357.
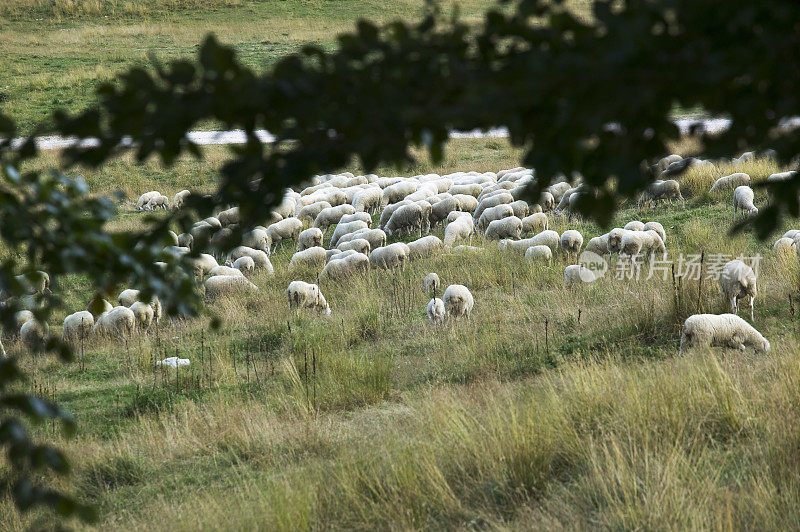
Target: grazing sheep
column 128, row 297
column 77, row 327
column 431, row 283
column 173, row 238
column 634, row 225
column 311, row 237
column 345, row 229
column 389, row 257
column 363, row 216
column 435, row 311
column 98, row 306
column 22, row 316
column 331, row 216
column 227, row 285
column 308, row 258
column 33, row 335
column 260, row 259
column 458, row 301
column 426, row 246
column 368, row 200
column 257, row 239
column 309, row 213
column 360, row 245
column 144, row 198
column 375, row 237
column 658, row 228
column 408, row 218
column 571, row 242
column 778, row 178
column 441, row 209
column 36, row 282
column 180, row 198
column 467, row 189
column 598, row 245
column 203, row 264
column 339, row 269
column 492, row 201
column 535, row 222
column 784, row 246
column 229, row 217
column 725, row 330
column 494, row 213
column 302, row 295
column 743, row 198
column 510, row 227
column 225, row 270
column 577, row 274
column 516, row 246
column 738, row 280
column 635, row 243
column 730, row 182
column 286, row 229
column 466, row 202
column 245, row 264
column 214, row 222
column 615, row 239
column 557, row 190
column 398, row 191
column 185, row 240
column 663, row 163
column 388, row 211
column 546, row 201
column 661, row 191
column 158, row 202
column 144, row 314
column 539, row 253
column 459, row 229
column 564, row 202
column 119, row 322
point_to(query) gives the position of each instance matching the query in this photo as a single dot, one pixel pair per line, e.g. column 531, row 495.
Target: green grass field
column 372, row 418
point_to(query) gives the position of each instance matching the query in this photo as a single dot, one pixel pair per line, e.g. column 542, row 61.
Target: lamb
column 311, row 237
column 431, row 283
column 458, row 301
column 119, row 322
column 338, row 269
column 128, row 297
column 346, row 228
column 510, row 227
column 361, row 245
column 286, row 229
column 535, row 222
column 331, row 216
column 246, row 265
column 302, row 295
column 143, row 313
column 368, row 200
column 658, row 228
column 661, row 191
column 408, row 218
column 77, row 327
column 144, row 198
column 738, row 280
column 729, row 182
column 577, row 274
column 389, row 257
column 435, row 311
column 494, row 213
column 539, row 253
column 424, row 247
column 33, row 335
column 635, row 243
column 309, row 213
column 157, row 202
column 226, row 285
column 180, row 199
column 308, row 258
column 743, row 201
column 571, row 242
column 260, row 259
column 726, row 330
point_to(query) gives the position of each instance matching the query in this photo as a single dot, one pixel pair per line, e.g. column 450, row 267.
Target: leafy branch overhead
column 590, row 96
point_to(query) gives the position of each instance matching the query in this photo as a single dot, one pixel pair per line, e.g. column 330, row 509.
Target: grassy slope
column 406, row 425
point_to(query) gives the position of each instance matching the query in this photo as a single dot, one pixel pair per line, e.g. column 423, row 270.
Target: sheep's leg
column 752, row 301
column 734, row 310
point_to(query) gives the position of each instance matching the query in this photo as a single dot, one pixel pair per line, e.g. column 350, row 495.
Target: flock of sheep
column 330, row 224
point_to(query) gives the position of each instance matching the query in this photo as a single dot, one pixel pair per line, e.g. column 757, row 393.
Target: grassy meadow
column 550, row 408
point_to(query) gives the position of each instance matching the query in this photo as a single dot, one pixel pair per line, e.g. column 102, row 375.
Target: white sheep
column 185, row 240
column 571, row 243
column 309, row 238
column 738, row 280
column 225, row 270
column 726, row 330
column 535, row 222
column 157, row 202
column 431, row 283
column 577, row 274
column 436, row 311
column 615, row 239
column 634, row 225
column 331, row 216
column 360, row 245
column 128, row 297
column 388, row 211
column 228, row 217
column 260, row 259
column 539, row 253
column 398, row 191
column 730, row 182
column 245, row 264
column 98, row 306
column 368, row 200
column 408, row 218
column 227, row 285
column 203, row 264
column 598, row 245
column 510, row 227
column 286, row 229
column 459, row 229
column 77, row 327
column 494, row 213
column 426, row 246
column 492, row 201
column 33, row 335
column 635, row 243
column 144, row 198
column 310, row 212
column 338, row 269
column 257, row 239
column 143, row 313
column 363, row 216
column 119, row 322
column 180, row 199
column 345, row 229
column 302, row 295
column 308, row 258
column 389, row 257
column 661, row 191
column 458, row 301
column 743, row 198
column 658, row 228
column 21, row 317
